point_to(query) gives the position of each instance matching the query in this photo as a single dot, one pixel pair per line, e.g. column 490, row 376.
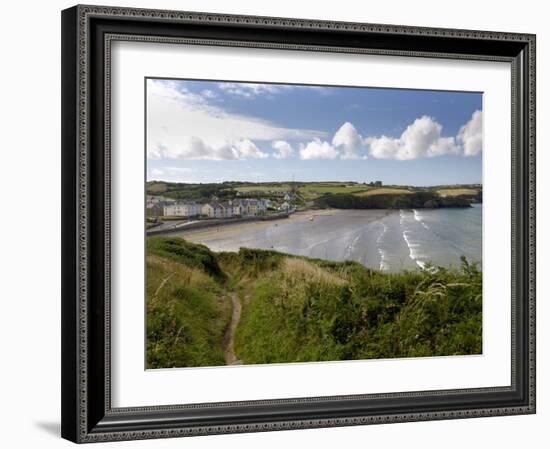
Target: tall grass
column 186, row 311
column 313, row 311
column 300, row 310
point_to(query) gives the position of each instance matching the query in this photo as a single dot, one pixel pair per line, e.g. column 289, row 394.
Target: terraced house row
column 216, row 209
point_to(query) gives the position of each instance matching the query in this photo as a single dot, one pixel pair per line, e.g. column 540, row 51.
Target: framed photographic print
column 276, row 223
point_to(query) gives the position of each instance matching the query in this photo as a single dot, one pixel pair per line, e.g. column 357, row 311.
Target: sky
column 213, row 131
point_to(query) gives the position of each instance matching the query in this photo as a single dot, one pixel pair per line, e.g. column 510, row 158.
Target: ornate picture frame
column 87, row 35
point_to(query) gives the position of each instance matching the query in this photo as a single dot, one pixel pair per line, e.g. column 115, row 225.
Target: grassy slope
column 311, row 310
column 298, row 309
column 187, row 312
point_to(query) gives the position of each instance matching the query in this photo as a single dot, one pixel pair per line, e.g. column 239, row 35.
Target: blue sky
column 205, row 131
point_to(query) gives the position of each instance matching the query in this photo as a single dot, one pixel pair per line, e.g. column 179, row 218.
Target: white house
column 237, row 209
column 252, row 207
column 216, row 210
column 227, row 208
column 182, row 209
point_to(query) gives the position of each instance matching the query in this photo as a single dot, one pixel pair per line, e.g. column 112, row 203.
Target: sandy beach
column 329, row 234
column 386, row 239
column 237, row 229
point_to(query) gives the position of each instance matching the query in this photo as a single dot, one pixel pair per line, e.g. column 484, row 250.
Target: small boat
column 311, row 218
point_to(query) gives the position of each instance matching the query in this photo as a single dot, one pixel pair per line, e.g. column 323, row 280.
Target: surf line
column 412, row 252
column 417, row 218
column 383, row 259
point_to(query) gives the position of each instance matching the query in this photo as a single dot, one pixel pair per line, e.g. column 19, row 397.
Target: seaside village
column 159, row 206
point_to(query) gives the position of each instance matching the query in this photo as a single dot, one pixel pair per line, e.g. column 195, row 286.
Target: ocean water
column 387, row 240
column 439, row 236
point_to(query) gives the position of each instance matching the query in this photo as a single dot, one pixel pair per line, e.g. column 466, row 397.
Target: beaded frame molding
column 87, row 34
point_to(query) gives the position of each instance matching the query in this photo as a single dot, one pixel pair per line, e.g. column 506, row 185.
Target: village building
column 240, row 207
column 182, row 209
column 212, row 210
column 227, row 209
column 158, row 199
column 215, row 209
column 252, row 207
column 154, row 204
column 236, row 208
column 154, row 209
column 284, row 207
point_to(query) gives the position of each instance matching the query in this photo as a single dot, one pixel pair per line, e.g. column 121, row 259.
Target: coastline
column 226, row 230
column 387, row 239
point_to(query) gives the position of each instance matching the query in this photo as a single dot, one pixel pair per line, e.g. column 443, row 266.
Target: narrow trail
column 229, row 339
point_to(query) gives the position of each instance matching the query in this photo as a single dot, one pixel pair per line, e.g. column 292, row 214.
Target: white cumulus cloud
column 248, row 150
column 282, row 149
column 318, row 149
column 184, row 125
column 197, row 148
column 349, row 141
column 421, row 139
column 470, row 135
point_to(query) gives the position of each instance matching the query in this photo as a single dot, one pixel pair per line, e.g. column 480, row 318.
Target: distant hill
column 327, row 194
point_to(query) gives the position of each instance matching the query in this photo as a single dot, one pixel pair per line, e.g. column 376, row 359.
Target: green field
column 457, row 192
column 386, row 191
column 264, row 188
column 319, row 189
column 296, row 309
column 156, row 187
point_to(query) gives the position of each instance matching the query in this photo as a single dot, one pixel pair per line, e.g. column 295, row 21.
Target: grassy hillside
column 186, row 311
column 296, row 309
column 325, row 194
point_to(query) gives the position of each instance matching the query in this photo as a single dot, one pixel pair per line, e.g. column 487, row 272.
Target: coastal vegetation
column 406, row 200
column 186, row 311
column 298, row 309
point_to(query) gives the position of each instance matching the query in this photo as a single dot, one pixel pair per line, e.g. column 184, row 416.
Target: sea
column 383, row 239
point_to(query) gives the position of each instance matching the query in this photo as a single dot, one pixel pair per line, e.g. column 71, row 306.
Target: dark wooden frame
column 87, row 32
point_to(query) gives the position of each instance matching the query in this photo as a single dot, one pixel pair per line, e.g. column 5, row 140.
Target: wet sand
column 327, row 234
column 228, row 230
